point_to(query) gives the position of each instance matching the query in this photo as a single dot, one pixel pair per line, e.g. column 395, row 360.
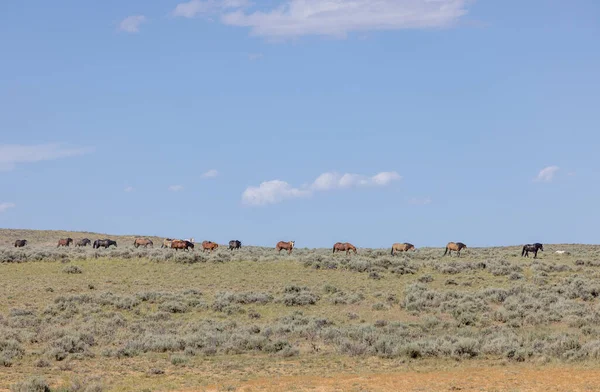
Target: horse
column 532, row 248
column 83, row 242
column 209, row 246
column 65, row 242
column 106, row 243
column 344, row 247
column 285, row 245
column 143, row 242
column 405, row 247
column 235, row 244
column 179, row 244
column 167, row 243
column 20, row 243
column 454, row 246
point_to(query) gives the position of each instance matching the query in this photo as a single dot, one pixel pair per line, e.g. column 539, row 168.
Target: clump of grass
column 298, row 296
column 178, row 360
column 33, row 384
column 72, row 269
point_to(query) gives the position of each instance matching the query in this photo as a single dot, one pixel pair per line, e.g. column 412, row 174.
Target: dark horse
column 83, row 242
column 344, row 247
column 104, row 243
column 235, row 244
column 532, row 248
column 20, row 243
column 65, row 242
column 456, row 246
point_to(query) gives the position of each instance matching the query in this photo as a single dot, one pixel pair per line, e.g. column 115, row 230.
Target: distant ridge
column 51, row 237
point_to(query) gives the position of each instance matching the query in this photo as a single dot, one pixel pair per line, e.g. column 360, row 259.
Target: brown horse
column 454, row 246
column 285, row 245
column 178, row 244
column 209, row 246
column 167, row 243
column 143, row 242
column 65, row 242
column 404, row 247
column 344, row 247
column 20, row 243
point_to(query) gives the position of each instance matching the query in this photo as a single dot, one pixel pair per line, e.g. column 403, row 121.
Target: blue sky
column 314, row 121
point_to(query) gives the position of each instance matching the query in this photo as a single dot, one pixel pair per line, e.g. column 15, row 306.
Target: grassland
column 153, row 319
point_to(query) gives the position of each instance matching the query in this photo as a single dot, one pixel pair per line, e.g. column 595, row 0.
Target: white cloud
column 176, row 188
column 131, row 24
column 210, row 174
column 276, row 191
column 14, row 154
column 420, row 201
column 293, row 18
column 333, row 180
column 129, row 189
column 5, row 206
column 547, row 174
column 384, row 178
column 195, row 7
column 271, row 192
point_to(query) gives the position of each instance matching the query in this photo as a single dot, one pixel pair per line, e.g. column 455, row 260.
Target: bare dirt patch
column 466, row 379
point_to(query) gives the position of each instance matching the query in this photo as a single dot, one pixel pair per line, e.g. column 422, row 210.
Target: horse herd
column 209, row 246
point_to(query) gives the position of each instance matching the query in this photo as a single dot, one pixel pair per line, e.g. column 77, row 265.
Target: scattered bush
column 72, row 269
column 33, row 384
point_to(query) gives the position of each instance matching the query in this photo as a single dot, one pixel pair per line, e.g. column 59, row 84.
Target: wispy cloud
column 210, row 174
column 547, row 174
column 5, row 206
column 176, row 188
column 131, row 24
column 293, row 18
column 193, row 8
column 129, row 189
column 13, row 154
column 334, row 180
column 417, row 201
column 276, row 191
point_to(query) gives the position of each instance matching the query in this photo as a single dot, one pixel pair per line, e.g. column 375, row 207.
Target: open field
column 152, row 319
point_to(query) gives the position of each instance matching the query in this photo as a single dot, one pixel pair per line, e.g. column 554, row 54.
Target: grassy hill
column 155, row 319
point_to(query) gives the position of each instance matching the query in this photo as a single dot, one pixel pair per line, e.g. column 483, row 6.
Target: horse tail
column 445, row 252
column 333, row 249
column 392, row 252
column 523, row 251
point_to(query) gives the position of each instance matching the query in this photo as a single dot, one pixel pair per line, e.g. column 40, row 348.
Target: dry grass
column 135, row 319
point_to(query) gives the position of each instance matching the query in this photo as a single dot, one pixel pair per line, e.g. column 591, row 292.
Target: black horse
column 235, row 244
column 83, row 242
column 104, row 243
column 532, row 248
column 20, row 243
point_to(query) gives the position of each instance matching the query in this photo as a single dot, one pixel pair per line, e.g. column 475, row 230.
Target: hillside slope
column 51, row 237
